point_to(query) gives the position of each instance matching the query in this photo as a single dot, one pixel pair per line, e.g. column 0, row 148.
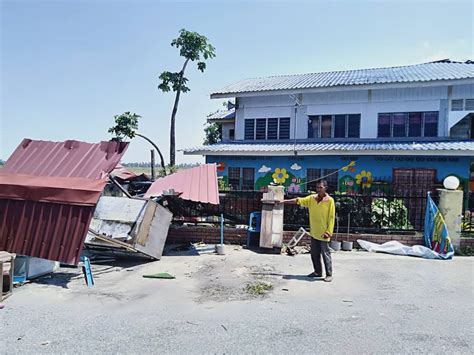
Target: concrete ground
column 246, row 302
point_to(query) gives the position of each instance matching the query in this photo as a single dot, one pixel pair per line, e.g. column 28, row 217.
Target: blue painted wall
column 380, row 167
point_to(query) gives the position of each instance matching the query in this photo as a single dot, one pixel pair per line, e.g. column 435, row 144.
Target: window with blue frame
column 408, row 124
column 267, row 128
column 334, row 126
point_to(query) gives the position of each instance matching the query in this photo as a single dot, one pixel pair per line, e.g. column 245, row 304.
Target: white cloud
column 295, row 167
column 264, row 169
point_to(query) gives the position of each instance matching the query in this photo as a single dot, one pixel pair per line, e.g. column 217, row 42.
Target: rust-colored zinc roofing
column 48, row 193
column 195, row 184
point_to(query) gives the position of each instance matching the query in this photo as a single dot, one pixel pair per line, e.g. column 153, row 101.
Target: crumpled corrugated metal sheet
column 404, row 74
column 384, row 146
column 125, row 175
column 196, row 184
column 48, row 192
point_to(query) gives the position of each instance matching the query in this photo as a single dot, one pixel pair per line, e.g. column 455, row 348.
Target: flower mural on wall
column 364, row 179
column 349, row 167
column 280, row 176
column 293, row 188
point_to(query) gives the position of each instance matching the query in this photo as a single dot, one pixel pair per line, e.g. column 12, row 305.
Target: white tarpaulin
column 397, row 248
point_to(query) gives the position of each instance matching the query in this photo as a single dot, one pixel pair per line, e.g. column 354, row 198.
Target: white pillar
column 450, row 206
column 271, row 230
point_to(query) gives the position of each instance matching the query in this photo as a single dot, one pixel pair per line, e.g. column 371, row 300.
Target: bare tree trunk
column 173, row 117
column 157, row 149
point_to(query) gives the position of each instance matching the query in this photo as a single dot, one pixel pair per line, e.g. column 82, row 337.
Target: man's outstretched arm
column 292, row 201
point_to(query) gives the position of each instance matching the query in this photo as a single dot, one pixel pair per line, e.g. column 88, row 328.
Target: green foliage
column 389, row 214
column 126, row 125
column 467, row 250
column 213, row 133
column 193, row 47
column 467, row 222
column 173, row 81
column 258, row 288
column 353, row 211
column 222, row 183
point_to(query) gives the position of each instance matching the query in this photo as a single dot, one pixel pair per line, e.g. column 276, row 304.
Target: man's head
column 321, row 187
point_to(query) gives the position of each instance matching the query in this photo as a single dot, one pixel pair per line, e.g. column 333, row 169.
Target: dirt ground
column 246, row 302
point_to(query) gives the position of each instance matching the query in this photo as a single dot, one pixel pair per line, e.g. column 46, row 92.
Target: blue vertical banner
column 436, row 234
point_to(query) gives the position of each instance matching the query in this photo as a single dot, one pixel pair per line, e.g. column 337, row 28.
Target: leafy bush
column 389, row 214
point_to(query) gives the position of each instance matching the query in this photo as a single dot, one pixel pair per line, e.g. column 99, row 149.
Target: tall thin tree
column 192, row 47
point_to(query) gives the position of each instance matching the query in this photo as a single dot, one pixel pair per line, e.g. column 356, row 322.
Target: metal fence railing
column 355, row 213
column 467, row 222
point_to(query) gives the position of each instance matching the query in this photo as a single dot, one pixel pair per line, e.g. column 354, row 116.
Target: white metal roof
column 427, row 72
column 441, row 147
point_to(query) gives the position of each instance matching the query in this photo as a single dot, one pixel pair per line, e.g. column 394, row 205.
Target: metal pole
column 348, row 223
column 222, row 229
column 152, row 152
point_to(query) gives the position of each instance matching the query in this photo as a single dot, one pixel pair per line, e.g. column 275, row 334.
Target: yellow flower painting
column 280, row 176
column 349, row 167
column 364, row 178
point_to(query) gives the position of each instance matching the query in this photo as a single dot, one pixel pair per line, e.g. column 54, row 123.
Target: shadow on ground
column 288, row 276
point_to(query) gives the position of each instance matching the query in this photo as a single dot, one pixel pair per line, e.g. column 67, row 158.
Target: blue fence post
column 86, row 269
column 222, row 228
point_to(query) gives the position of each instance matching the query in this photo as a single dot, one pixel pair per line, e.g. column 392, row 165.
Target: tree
column 192, row 47
column 213, row 132
column 126, row 126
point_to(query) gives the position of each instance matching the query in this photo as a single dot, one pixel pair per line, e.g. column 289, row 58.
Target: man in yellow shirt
column 322, row 213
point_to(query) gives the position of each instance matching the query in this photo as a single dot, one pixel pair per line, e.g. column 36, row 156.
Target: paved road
column 377, row 304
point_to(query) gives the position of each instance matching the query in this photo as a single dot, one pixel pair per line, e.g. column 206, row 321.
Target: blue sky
column 69, row 66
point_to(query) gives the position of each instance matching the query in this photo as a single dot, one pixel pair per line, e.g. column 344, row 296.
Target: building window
column 313, row 176
column 431, row 124
column 384, row 125
column 411, row 124
column 232, row 134
column 284, row 130
column 414, row 124
column 457, row 105
column 249, row 129
column 353, row 126
column 272, row 128
column 267, row 128
column 331, row 176
column 248, row 178
column 241, row 179
column 234, row 178
column 334, row 126
column 469, row 105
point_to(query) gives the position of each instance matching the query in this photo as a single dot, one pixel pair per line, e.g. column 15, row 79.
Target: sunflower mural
column 280, row 176
column 364, row 179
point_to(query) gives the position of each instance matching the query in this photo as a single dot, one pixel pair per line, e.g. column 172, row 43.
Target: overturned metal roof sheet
column 454, row 147
column 426, row 72
column 196, row 184
column 124, row 175
column 48, row 192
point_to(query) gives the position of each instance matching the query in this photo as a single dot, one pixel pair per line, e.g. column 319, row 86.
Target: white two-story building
column 406, row 128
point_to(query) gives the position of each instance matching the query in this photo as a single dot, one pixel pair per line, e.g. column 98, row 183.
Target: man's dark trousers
column 318, row 249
